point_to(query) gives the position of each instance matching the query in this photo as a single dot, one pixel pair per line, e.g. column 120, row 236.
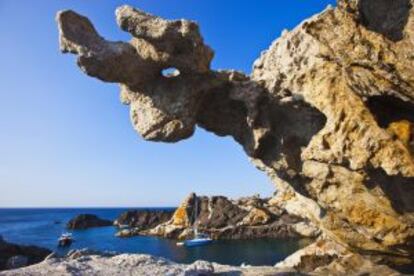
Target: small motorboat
column 200, row 239
column 65, row 240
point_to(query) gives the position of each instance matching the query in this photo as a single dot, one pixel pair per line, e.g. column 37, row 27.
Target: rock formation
column 222, row 218
column 327, row 112
column 14, row 256
column 85, row 221
column 143, row 218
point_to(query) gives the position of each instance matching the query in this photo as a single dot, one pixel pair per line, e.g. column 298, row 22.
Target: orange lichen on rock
column 180, row 216
column 402, row 130
column 360, row 213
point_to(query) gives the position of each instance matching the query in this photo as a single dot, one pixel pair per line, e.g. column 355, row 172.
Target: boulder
column 199, row 268
column 85, row 221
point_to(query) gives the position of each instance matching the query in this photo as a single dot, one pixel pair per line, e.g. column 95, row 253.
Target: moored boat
column 65, row 239
column 199, row 240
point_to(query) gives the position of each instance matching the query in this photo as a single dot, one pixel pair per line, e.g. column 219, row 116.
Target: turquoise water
column 42, row 227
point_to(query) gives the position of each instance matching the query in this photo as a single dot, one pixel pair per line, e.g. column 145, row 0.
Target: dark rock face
column 224, row 213
column 143, row 219
column 222, row 218
column 85, row 221
column 14, row 256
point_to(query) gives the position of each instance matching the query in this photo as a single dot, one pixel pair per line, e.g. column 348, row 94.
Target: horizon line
column 83, row 207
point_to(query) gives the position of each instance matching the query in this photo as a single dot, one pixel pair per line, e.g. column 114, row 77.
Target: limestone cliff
column 327, row 112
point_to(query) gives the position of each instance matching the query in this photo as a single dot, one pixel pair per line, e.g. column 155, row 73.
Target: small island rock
column 85, row 221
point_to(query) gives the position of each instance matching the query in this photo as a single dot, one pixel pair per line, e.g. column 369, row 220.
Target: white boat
column 65, row 239
column 200, row 239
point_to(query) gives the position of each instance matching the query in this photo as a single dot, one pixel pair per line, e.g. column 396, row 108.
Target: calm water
column 42, row 227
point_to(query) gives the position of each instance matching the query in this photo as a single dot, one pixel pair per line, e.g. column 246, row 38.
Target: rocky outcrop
column 15, row 256
column 327, row 112
column 329, row 258
column 222, row 218
column 85, row 221
column 140, row 220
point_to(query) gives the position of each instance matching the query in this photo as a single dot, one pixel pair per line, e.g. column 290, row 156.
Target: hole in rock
column 399, row 190
column 388, row 109
column 292, row 128
column 170, row 72
column 395, row 115
column 387, row 17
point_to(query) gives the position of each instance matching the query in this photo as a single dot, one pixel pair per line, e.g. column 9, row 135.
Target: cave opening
column 170, row 72
column 400, row 190
column 387, row 17
column 293, row 126
column 388, row 109
column 395, row 115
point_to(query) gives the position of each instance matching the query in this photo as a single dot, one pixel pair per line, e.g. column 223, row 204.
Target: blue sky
column 66, row 140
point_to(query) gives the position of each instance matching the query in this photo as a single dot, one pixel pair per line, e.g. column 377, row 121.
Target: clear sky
column 66, row 140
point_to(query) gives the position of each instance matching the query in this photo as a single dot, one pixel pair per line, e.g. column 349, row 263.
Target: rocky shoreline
column 217, row 216
column 322, row 258
column 327, row 114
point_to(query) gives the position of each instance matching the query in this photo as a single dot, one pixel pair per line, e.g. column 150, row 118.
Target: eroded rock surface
column 327, row 112
column 329, row 258
column 84, row 262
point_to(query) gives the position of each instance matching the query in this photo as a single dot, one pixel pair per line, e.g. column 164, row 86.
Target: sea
column 43, row 226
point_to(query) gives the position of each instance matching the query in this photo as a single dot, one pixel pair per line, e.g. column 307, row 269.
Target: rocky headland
column 327, row 112
column 85, row 221
column 222, row 218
